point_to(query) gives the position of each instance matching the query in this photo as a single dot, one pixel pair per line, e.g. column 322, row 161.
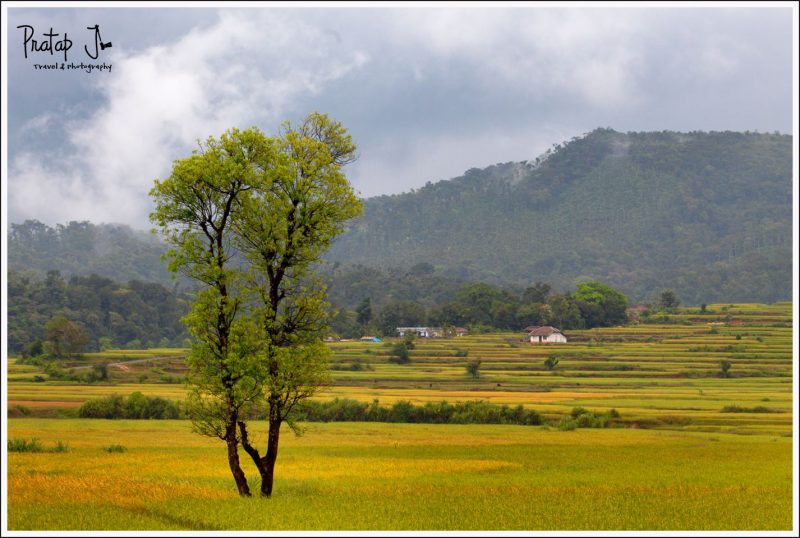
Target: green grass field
column 679, row 461
column 403, row 476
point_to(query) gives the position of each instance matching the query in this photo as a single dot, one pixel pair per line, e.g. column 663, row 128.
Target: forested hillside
column 101, row 312
column 706, row 214
column 113, row 251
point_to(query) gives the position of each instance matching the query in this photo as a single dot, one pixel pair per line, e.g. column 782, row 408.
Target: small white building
column 422, row 332
column 545, row 335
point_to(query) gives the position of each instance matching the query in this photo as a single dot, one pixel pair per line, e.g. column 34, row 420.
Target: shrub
column 461, row 353
column 551, row 362
column 756, row 409
column 137, row 406
column 23, row 445
column 474, row 369
column 20, row 410
column 61, row 447
column 111, row 449
column 474, row 412
column 580, row 417
column 400, row 354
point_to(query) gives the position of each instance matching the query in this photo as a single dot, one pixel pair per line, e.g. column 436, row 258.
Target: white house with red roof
column 545, row 335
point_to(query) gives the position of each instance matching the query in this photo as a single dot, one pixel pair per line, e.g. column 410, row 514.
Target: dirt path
column 121, row 364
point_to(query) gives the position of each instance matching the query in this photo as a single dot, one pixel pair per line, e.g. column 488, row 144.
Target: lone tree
column 248, row 216
column 668, row 300
column 474, row 369
column 725, row 367
column 551, row 362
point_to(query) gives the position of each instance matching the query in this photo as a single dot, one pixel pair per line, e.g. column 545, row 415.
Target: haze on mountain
column 708, row 215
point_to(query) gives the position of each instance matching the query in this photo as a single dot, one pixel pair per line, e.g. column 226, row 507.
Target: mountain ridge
column 708, row 214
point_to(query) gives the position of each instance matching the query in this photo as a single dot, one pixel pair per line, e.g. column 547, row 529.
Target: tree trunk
column 233, row 461
column 267, row 467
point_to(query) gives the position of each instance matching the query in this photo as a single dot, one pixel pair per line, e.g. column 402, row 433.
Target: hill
column 706, row 214
column 112, row 251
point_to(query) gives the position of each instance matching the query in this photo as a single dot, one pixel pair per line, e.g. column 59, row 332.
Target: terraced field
column 662, row 375
column 696, row 450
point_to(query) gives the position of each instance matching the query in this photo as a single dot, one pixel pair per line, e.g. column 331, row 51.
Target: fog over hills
column 706, row 214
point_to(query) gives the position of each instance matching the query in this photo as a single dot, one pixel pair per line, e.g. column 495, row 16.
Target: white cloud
column 439, row 156
column 244, row 70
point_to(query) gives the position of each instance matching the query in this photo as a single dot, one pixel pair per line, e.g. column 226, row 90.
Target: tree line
column 482, row 307
column 63, row 317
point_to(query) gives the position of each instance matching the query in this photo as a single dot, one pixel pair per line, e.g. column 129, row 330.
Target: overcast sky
column 426, row 93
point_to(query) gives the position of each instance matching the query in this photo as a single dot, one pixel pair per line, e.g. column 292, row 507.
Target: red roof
column 544, row 331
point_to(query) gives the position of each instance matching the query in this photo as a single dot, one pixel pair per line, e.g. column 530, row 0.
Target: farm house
column 545, row 335
column 422, row 332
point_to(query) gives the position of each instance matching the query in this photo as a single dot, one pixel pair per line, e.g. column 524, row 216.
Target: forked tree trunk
column 233, row 461
column 267, row 467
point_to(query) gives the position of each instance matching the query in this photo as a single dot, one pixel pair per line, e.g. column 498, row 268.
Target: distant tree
column 473, row 368
column 537, row 293
column 725, row 367
column 400, row 314
column 668, row 300
column 408, row 341
column 600, row 305
column 364, row 312
column 400, row 354
column 63, row 338
column 551, row 362
column 34, row 349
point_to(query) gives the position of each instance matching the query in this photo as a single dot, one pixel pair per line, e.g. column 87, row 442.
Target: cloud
column 426, row 93
column 245, row 69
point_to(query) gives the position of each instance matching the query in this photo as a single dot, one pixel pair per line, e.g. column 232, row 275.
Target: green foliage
column 276, row 204
column 137, row 406
column 115, row 449
column 24, row 445
column 461, row 353
column 474, row 368
column 725, row 367
column 583, row 418
column 89, row 314
column 63, row 338
column 668, row 300
column 472, row 412
column 400, row 354
column 636, row 210
column 756, row 409
column 16, row 444
column 364, row 311
column 551, row 362
column 600, row 305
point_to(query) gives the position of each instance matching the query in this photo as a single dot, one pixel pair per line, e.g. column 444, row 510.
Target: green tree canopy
column 248, row 216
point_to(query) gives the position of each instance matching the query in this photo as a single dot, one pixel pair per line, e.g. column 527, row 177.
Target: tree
column 194, row 210
column 63, row 338
column 474, row 368
column 724, row 367
column 290, row 220
column 600, row 305
column 400, row 354
column 668, row 300
column 248, row 216
column 364, row 312
column 537, row 293
column 551, row 362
